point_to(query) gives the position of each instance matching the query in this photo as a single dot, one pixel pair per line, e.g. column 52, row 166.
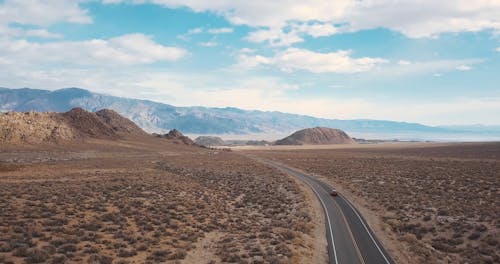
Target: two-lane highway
column 350, row 239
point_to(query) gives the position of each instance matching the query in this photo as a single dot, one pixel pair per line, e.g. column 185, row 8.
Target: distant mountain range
column 159, row 117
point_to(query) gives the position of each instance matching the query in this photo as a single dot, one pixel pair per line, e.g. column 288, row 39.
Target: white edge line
column 327, row 216
column 326, row 212
column 368, row 231
column 280, row 167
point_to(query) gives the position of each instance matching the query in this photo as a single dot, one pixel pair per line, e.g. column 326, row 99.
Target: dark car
column 333, row 192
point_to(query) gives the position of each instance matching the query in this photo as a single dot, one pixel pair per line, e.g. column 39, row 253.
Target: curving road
column 350, row 239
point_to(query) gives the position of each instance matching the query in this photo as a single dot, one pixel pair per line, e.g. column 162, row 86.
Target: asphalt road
column 350, row 239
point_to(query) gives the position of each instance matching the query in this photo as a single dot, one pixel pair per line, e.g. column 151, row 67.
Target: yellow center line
column 350, row 232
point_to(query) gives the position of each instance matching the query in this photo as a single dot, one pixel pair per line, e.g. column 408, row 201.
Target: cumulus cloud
column 435, row 67
column 274, row 37
column 301, row 59
column 200, row 30
column 415, row 19
column 224, row 30
column 42, row 12
column 19, row 32
column 129, row 49
column 464, row 68
column 292, row 34
column 209, row 44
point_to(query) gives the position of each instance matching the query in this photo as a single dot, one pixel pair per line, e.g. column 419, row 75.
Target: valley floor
column 427, row 202
column 150, row 201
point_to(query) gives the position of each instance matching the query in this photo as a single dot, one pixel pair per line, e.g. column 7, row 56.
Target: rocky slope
column 118, row 123
column 317, row 136
column 176, row 136
column 208, row 141
column 76, row 124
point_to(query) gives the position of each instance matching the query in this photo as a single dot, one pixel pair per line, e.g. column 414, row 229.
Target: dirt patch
column 204, row 250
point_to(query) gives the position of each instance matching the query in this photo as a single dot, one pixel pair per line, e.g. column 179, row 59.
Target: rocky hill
column 176, row 136
column 317, row 136
column 118, row 123
column 74, row 125
column 208, row 141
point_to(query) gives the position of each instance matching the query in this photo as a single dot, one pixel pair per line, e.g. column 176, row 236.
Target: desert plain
column 151, row 200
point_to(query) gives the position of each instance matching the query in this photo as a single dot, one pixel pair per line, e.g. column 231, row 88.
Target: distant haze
column 230, row 123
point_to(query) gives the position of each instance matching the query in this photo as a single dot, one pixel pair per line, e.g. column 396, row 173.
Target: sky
column 426, row 61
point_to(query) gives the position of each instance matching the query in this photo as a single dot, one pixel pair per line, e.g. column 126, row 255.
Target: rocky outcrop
column 118, row 123
column 176, row 136
column 317, row 136
column 76, row 124
column 208, row 141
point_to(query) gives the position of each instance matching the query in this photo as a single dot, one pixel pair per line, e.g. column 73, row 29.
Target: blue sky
column 426, row 62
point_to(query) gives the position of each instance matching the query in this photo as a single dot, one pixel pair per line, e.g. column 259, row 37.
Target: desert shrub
column 36, row 255
column 491, row 240
column 99, row 259
column 67, row 248
column 123, row 253
column 481, row 228
column 58, row 259
column 49, row 249
column 5, row 247
column 474, row 235
column 179, row 254
column 21, row 251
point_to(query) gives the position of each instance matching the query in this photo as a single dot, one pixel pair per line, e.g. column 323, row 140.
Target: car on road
column 333, row 192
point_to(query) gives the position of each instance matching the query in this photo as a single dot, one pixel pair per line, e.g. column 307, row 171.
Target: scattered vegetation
column 148, row 207
column 443, row 205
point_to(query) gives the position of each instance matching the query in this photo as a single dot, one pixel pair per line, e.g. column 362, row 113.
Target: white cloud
column 19, row 32
column 195, row 31
column 42, row 12
column 209, row 44
column 498, row 49
column 317, row 29
column 415, row 19
column 316, row 62
column 126, row 50
column 404, row 68
column 220, row 30
column 42, row 33
column 464, row 68
column 275, row 37
column 200, row 30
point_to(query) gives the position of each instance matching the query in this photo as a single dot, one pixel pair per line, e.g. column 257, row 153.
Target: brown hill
column 34, row 128
column 76, row 124
column 177, row 137
column 316, row 136
column 118, row 123
column 88, row 124
column 208, row 141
